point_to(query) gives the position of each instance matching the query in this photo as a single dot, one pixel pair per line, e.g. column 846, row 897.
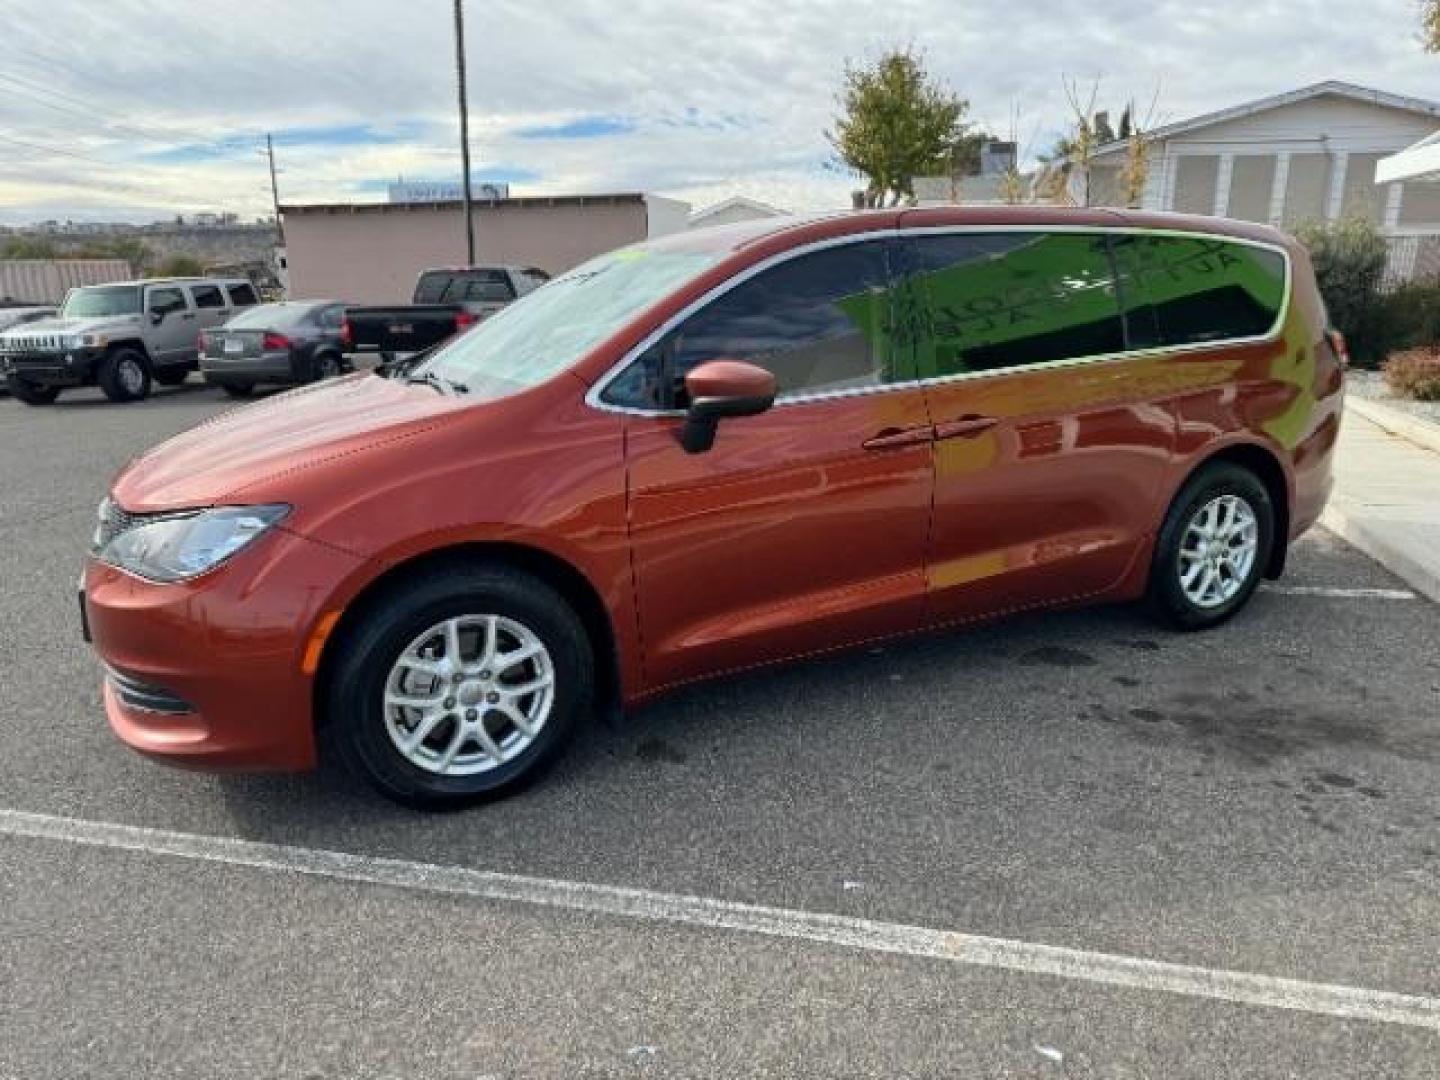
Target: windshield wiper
column 440, row 383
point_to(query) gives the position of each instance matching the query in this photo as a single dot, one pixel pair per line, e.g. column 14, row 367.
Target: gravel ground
column 1371, row 386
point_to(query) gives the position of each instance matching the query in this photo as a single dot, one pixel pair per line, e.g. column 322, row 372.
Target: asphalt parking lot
column 1259, row 800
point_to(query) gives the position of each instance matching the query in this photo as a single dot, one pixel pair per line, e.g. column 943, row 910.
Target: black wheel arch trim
column 1266, row 464
column 572, row 584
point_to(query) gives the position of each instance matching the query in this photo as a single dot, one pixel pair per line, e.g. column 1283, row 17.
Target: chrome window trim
column 593, row 398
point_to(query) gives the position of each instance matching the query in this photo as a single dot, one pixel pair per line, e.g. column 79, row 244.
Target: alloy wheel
column 1218, row 550
column 469, row 694
column 132, row 376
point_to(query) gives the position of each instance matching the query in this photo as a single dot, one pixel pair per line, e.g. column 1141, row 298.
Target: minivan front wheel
column 460, row 685
column 1213, row 547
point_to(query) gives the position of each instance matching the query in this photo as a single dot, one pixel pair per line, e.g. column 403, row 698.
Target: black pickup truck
column 446, row 302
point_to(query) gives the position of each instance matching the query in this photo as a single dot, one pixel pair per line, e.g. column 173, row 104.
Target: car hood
column 105, row 325
column 216, row 461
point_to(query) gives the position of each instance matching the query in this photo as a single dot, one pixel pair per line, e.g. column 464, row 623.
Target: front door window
column 821, row 323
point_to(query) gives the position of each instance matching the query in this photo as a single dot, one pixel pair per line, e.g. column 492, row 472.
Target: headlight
column 83, row 341
column 173, row 547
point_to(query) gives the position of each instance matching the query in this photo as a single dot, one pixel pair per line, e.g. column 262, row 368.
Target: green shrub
column 1349, row 258
column 1415, row 373
column 180, row 266
column 1411, row 316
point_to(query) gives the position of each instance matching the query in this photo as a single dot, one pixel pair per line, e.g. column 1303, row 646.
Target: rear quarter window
column 242, row 296
column 207, row 296
column 1198, row 289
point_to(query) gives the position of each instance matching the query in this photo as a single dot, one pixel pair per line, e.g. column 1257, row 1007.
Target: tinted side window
column 242, row 296
column 819, row 322
column 1199, row 289
column 998, row 300
column 166, row 300
column 490, row 285
column 331, row 317
column 431, row 287
column 207, row 296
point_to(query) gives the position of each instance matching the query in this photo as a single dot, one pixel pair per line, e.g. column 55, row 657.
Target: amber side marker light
column 1342, row 350
column 310, row 663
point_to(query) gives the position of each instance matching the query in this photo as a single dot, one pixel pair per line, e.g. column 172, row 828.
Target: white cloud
column 715, row 99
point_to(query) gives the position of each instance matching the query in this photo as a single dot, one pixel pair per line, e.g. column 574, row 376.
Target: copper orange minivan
column 709, row 452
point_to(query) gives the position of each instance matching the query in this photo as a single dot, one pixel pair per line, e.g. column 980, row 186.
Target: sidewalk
column 1386, row 501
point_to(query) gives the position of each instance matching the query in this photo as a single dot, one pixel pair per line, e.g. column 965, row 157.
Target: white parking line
column 1324, row 999
column 1339, row 594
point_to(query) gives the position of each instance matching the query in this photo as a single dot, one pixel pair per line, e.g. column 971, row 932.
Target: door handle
column 967, row 427
column 891, row 438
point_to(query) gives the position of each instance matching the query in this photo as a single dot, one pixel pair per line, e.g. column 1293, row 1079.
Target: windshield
column 91, row 303
column 549, row 330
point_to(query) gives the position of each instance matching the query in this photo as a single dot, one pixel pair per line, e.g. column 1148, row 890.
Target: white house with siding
column 732, row 210
column 1307, row 154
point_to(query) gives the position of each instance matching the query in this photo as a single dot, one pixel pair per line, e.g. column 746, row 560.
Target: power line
column 55, row 150
column 23, row 88
column 88, row 182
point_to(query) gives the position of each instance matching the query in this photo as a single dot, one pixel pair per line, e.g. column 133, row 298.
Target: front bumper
column 208, row 673
column 72, row 367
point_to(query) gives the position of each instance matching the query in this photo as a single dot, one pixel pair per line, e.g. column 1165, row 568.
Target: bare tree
column 1135, row 172
column 1013, row 188
column 1088, row 126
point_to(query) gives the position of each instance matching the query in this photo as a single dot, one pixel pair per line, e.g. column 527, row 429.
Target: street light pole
column 464, row 132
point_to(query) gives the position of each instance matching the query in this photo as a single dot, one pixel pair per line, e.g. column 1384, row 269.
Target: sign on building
column 404, row 191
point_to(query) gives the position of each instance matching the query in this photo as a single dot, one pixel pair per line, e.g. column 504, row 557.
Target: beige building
column 1309, row 154
column 371, row 253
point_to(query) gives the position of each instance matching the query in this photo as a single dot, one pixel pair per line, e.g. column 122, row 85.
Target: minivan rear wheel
column 1213, row 547
column 459, row 685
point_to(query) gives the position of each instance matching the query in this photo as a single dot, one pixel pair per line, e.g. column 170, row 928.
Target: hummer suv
column 120, row 337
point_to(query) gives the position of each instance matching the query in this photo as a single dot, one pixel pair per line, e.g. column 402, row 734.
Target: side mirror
column 722, row 388
column 156, row 317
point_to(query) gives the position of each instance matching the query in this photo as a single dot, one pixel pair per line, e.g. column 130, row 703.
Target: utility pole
column 464, row 132
column 274, row 188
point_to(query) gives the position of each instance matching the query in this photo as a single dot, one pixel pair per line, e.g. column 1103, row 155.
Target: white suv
column 119, row 337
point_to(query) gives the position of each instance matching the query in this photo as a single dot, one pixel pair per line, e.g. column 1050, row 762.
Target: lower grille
column 134, row 694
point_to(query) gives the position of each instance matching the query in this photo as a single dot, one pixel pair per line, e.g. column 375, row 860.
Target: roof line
column 609, row 198
column 1274, row 101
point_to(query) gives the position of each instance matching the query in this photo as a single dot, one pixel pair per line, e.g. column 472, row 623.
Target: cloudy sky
column 144, row 108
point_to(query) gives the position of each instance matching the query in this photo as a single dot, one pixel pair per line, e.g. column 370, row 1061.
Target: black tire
column 172, row 376
column 30, row 393
column 357, row 678
column 125, row 375
column 1166, row 595
column 324, row 365
column 238, row 389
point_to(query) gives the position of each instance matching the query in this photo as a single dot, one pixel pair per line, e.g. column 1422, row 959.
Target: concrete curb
column 1351, row 528
column 1420, row 432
